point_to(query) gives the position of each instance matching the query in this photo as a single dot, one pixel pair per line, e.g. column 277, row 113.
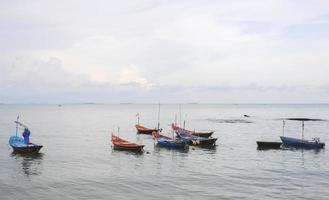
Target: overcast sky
column 148, row 51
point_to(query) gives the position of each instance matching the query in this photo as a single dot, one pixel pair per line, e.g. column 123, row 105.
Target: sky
column 150, row 51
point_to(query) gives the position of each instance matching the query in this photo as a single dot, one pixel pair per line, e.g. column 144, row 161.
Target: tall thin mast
column 303, row 130
column 159, row 117
column 180, row 116
column 17, row 124
column 283, row 124
column 175, row 119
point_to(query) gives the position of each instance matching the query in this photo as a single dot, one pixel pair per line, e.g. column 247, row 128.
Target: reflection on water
column 157, row 149
column 30, row 163
column 136, row 153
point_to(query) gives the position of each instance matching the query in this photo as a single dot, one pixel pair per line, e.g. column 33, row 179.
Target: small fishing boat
column 196, row 140
column 168, row 142
column 120, row 144
column 196, row 133
column 144, row 130
column 301, row 143
column 268, row 145
column 148, row 131
column 19, row 146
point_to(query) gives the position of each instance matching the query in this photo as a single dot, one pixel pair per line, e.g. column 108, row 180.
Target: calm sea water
column 77, row 161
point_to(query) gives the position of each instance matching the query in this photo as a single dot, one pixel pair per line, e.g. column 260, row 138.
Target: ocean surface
column 77, row 160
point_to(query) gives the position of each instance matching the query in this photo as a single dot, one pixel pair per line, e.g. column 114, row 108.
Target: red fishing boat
column 144, row 130
column 200, row 134
column 120, row 144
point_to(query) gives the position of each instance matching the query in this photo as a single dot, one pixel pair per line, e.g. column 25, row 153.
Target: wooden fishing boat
column 168, row 142
column 196, row 133
column 196, row 140
column 19, row 146
column 144, row 130
column 300, row 143
column 120, row 144
column 268, row 145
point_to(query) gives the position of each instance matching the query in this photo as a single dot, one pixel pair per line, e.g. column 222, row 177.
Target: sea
column 77, row 160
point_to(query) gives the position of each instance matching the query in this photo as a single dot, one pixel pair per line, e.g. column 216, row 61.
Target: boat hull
column 138, row 148
column 203, row 134
column 206, row 142
column 172, row 144
column 268, row 145
column 298, row 143
column 29, row 149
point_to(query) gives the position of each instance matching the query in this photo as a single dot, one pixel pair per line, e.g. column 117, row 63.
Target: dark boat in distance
column 195, row 133
column 124, row 145
column 262, row 145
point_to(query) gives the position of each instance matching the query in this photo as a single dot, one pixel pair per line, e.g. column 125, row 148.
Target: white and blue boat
column 301, row 143
column 19, row 145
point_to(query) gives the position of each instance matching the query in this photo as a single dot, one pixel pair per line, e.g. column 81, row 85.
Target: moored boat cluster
column 182, row 140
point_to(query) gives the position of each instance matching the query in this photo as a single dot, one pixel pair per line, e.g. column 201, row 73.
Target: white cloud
column 154, row 45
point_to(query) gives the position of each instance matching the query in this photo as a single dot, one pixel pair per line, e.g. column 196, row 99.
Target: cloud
column 201, row 51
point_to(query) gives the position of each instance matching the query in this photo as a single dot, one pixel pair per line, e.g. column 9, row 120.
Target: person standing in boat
column 26, row 135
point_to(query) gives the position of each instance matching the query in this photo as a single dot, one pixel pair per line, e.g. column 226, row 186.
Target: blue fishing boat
column 301, row 143
column 196, row 140
column 168, row 142
column 23, row 145
column 19, row 146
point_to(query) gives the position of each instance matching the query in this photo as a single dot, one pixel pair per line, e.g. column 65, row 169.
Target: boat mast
column 159, row 117
column 118, row 131
column 175, row 119
column 180, row 116
column 138, row 118
column 17, row 124
column 283, row 124
column 302, row 130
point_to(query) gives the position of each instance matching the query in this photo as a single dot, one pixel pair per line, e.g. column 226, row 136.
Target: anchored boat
column 144, row 130
column 196, row 140
column 168, row 142
column 206, row 134
column 121, row 144
column 262, row 145
column 301, row 143
column 20, row 145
